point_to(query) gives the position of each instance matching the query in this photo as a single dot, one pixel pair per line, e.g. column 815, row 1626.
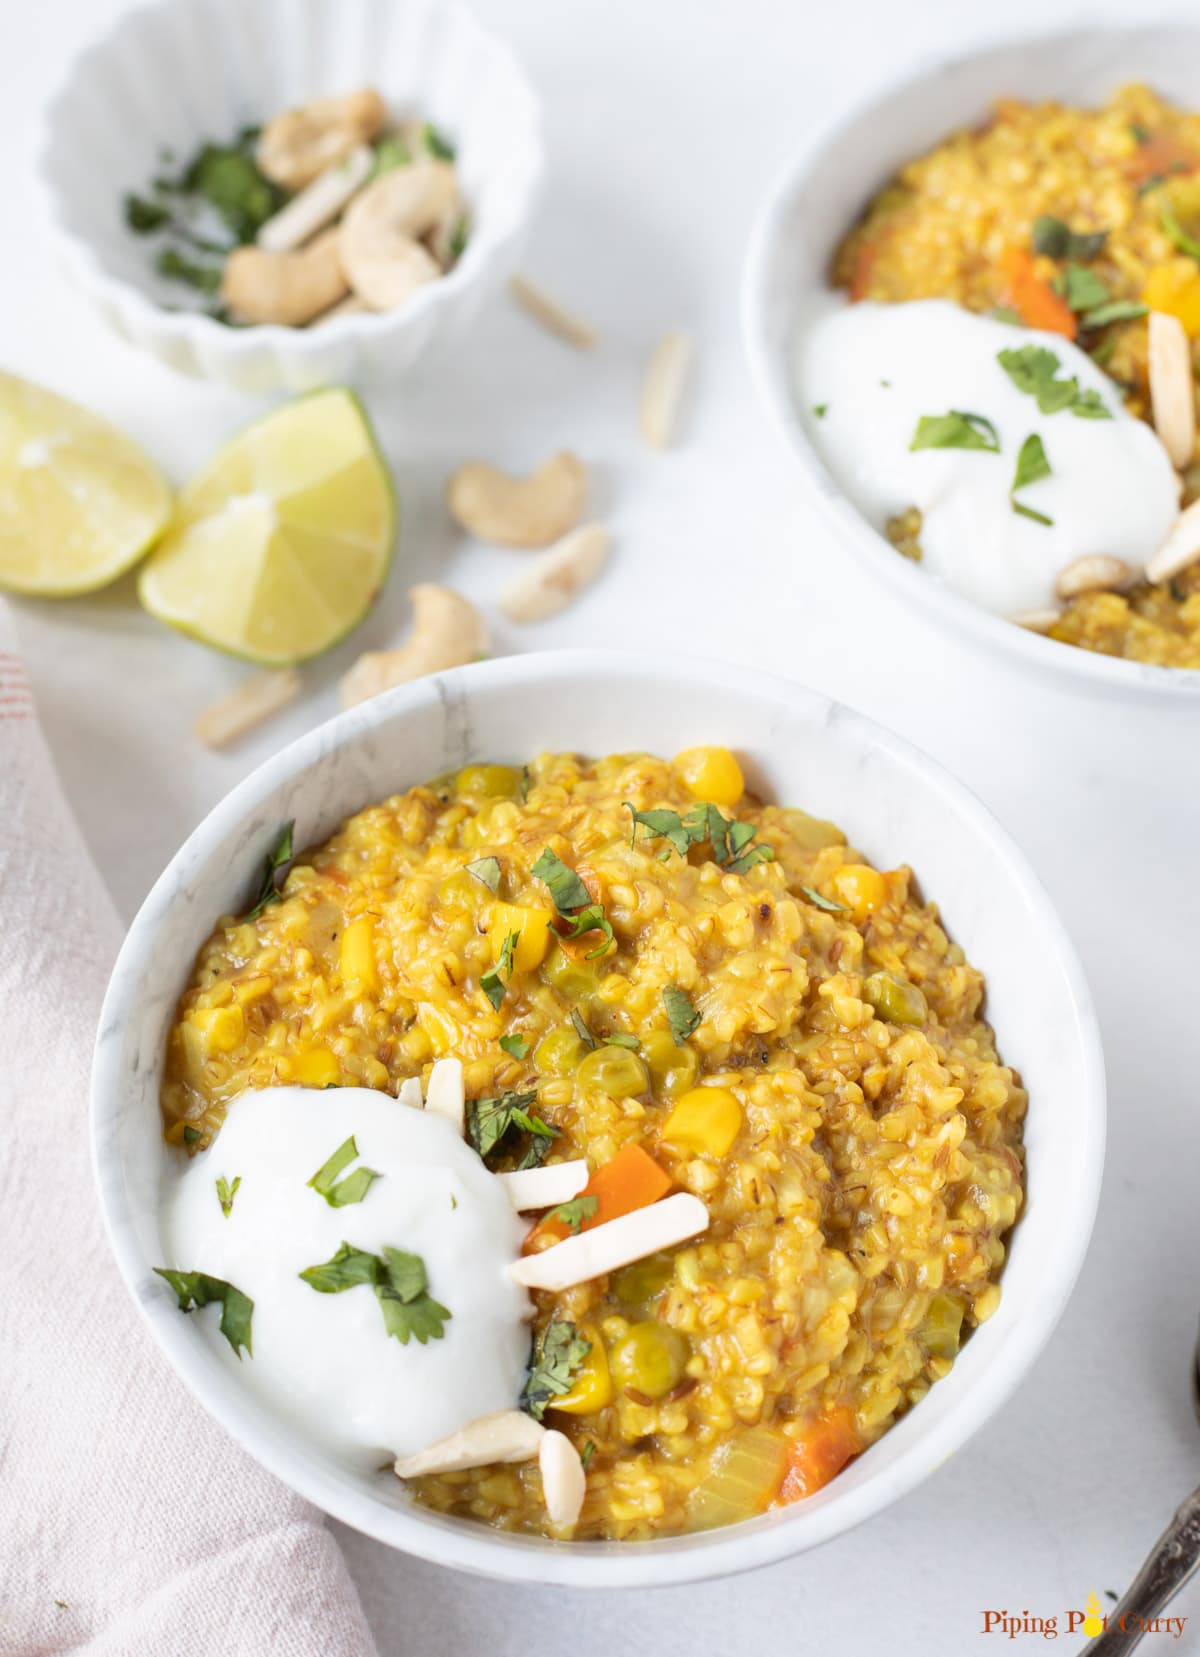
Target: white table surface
column 666, row 119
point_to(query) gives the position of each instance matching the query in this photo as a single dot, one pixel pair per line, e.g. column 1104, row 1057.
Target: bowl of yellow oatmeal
column 637, row 1118
column 970, row 305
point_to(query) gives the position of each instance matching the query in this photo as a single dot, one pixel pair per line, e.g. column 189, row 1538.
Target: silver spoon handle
column 1171, row 1562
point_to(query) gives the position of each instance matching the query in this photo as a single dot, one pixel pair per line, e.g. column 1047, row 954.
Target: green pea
column 616, row 1071
column 575, row 981
column 673, row 1069
column 638, row 1286
column 940, row 1331
column 895, row 1000
column 559, row 1052
column 651, row 1359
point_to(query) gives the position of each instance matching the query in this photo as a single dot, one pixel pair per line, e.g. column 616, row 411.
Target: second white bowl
column 171, row 75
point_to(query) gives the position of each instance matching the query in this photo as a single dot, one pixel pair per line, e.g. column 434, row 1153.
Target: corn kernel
column 316, row 1068
column 439, row 1028
column 219, row 1028
column 711, row 774
column 862, row 889
column 356, row 957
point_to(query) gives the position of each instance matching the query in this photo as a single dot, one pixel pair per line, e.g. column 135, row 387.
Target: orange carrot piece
column 631, row 1180
column 1161, row 157
column 828, row 1444
column 1034, row 300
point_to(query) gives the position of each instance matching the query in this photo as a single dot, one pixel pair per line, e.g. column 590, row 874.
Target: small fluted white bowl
column 820, row 193
column 797, row 747
column 169, row 75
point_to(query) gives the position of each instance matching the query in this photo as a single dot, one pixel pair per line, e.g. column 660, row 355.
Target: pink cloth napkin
column 129, row 1523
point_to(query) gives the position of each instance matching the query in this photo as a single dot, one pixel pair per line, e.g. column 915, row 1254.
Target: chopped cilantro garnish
column 494, row 982
column 177, row 268
column 401, row 1287
column 955, row 430
column 1034, row 370
column 681, row 1013
column 191, row 1135
column 276, row 865
column 515, row 1046
column 226, row 1193
column 436, row 143
column 820, row 410
column 390, row 152
column 573, row 1214
column 144, row 217
column 555, row 1358
column 819, row 901
column 581, row 1028
column 350, row 1190
column 1118, row 310
column 459, row 236
column 619, row 1040
column 1057, row 240
column 492, row 1123
column 199, row 1289
column 1082, row 289
column 1175, row 232
column 486, row 870
column 1032, row 466
column 704, row 824
column 586, row 1454
column 573, row 901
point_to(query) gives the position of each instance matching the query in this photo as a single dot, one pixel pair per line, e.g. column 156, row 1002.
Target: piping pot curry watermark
column 1089, row 1622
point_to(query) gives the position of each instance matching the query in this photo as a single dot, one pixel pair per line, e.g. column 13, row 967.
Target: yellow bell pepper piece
column 706, row 1120
column 862, row 889
column 356, row 957
column 1175, row 289
column 711, row 774
column 591, row 1387
column 532, row 927
column 318, row 1068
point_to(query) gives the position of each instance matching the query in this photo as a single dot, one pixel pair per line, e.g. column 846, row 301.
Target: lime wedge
column 280, row 546
column 79, row 503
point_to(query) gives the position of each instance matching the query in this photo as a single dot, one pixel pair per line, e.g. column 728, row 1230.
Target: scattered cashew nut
column 550, row 582
column 299, row 145
column 381, row 233
column 1181, row 547
column 1094, row 573
column 663, row 387
column 519, row 512
column 447, row 631
column 286, row 288
column 1172, row 395
column 506, row 1435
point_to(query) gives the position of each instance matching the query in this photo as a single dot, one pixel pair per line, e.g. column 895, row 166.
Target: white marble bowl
column 798, row 747
column 818, row 196
column 177, row 72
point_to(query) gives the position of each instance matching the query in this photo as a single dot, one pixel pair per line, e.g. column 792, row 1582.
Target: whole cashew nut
column 447, row 631
column 287, row 288
column 301, row 144
column 381, row 232
column 519, row 512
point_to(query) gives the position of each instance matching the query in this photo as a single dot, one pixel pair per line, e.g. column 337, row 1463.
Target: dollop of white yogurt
column 324, row 1362
column 875, row 370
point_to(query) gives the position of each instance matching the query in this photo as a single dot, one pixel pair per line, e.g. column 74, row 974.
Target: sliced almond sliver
column 1037, row 621
column 662, row 388
column 1094, row 573
column 564, row 1482
column 445, row 1095
column 254, row 701
column 1172, row 397
column 410, row 1093
column 531, row 1188
column 550, row 582
column 317, row 204
column 508, row 1435
column 538, row 304
column 1181, row 547
column 616, row 1243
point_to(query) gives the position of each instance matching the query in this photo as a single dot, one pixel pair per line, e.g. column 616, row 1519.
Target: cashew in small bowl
column 447, row 631
column 381, row 233
column 286, row 288
column 519, row 512
column 299, row 145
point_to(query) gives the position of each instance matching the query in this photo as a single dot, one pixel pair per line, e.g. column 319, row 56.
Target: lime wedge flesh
column 79, row 503
column 281, row 544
